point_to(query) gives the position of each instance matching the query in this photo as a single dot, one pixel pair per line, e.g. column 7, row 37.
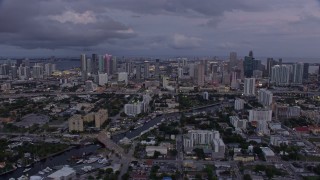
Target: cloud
column 180, row 41
column 74, row 17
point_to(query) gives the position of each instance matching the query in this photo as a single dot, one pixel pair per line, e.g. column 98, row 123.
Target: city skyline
column 160, row 28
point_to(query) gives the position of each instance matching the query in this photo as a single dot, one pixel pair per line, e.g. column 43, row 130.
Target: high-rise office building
column 83, row 63
column 101, row 64
column 305, row 71
column 146, row 69
column 107, row 64
column 157, row 69
column 233, row 60
column 206, row 72
column 297, row 73
column 249, row 87
column 250, row 64
column 114, row 67
column 95, row 64
column 200, row 74
column 139, row 71
column 84, row 72
column 280, row 75
column 265, row 97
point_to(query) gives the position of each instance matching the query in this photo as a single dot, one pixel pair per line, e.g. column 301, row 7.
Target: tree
column 198, row 177
column 125, row 176
column 247, row 177
column 199, row 153
column 156, row 154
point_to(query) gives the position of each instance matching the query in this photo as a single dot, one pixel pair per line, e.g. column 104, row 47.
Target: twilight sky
column 287, row 28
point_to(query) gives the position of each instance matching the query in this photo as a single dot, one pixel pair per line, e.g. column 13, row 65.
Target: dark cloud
column 44, row 24
column 183, row 7
column 157, row 26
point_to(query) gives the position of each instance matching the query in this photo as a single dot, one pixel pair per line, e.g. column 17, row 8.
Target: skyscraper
column 101, row 64
column 305, row 71
column 297, row 73
column 157, row 69
column 83, row 63
column 89, row 66
column 250, row 64
column 107, row 64
column 95, row 64
column 139, row 71
column 114, row 66
column 200, row 74
column 280, row 75
column 146, row 69
column 233, row 60
column 249, row 86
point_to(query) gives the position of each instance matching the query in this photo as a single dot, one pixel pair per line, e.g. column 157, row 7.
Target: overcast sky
column 281, row 28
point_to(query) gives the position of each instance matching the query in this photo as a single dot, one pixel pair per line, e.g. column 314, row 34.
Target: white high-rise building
column 49, row 69
column 37, row 71
column 238, row 123
column 203, row 139
column 280, row 75
column 297, row 73
column 83, row 63
column 238, row 104
column 103, row 79
column 234, row 80
column 205, row 95
column 165, row 82
column 133, row 109
column 24, row 72
column 265, row 97
column 262, row 117
column 249, row 87
column 180, row 72
column 123, row 77
column 90, row 86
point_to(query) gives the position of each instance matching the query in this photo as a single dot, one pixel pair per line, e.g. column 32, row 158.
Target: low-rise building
column 277, row 140
column 152, row 149
column 76, row 123
column 65, row 173
column 243, row 157
column 100, row 117
column 268, row 154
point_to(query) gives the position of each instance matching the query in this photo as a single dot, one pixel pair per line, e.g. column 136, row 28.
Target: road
column 126, row 159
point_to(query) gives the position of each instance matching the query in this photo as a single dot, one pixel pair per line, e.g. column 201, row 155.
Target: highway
column 157, row 120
